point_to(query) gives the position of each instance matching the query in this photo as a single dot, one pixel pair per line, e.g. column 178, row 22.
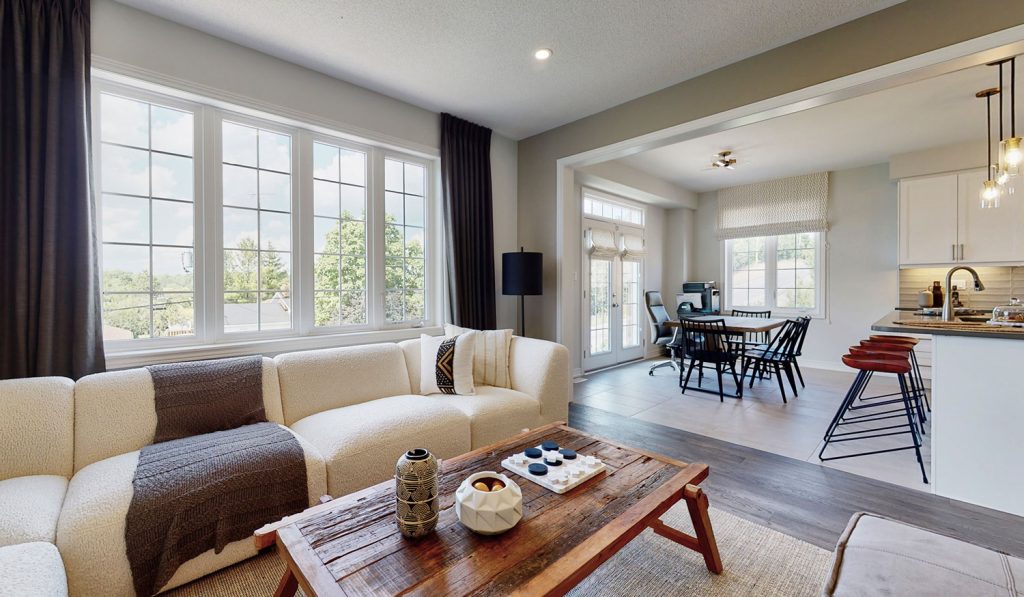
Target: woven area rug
column 758, row 561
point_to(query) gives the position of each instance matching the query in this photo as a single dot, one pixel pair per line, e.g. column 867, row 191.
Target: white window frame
column 613, row 200
column 209, row 339
column 771, row 280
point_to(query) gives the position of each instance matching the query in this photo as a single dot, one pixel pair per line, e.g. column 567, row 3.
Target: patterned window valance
column 783, row 206
column 633, row 246
column 601, row 243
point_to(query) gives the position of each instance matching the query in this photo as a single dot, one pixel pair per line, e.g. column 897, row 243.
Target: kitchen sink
column 974, row 318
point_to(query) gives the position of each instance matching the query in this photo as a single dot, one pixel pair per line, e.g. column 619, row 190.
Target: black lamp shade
column 522, row 273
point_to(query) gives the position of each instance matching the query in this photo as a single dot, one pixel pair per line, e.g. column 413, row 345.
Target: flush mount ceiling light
column 724, row 159
column 543, row 54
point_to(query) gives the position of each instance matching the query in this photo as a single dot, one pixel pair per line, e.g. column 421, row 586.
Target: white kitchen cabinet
column 987, row 235
column 928, row 219
column 941, row 222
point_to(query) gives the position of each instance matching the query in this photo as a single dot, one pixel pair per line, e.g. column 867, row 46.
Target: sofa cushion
column 495, row 413
column 32, row 570
column 879, row 556
column 30, row 507
column 91, row 531
column 361, row 443
column 490, row 356
column 314, row 381
column 446, row 364
column 36, row 426
column 115, row 412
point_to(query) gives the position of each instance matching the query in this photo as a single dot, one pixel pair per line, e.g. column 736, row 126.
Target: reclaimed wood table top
column 351, row 545
column 737, row 325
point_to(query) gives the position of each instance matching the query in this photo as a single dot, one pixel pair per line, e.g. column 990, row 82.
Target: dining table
column 736, row 325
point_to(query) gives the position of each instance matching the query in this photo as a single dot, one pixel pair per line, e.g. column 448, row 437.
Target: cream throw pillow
column 446, row 364
column 490, row 360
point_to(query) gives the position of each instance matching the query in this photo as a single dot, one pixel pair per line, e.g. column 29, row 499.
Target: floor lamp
column 522, row 275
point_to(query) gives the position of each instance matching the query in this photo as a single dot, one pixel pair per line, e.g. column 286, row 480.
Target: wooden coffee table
column 351, row 545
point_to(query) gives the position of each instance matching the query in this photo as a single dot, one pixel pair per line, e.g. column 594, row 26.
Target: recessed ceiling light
column 543, row 54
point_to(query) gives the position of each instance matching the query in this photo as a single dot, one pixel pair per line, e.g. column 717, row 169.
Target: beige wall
column 948, row 158
column 862, row 259
column 138, row 40
column 908, row 29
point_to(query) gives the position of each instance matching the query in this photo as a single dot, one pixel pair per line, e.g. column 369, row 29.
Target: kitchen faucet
column 947, row 303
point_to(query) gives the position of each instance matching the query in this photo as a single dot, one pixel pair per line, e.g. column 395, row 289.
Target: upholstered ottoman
column 32, row 570
column 878, row 556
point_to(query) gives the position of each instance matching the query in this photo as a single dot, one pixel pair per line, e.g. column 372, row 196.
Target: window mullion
column 212, row 233
column 375, row 239
column 771, row 271
column 302, row 232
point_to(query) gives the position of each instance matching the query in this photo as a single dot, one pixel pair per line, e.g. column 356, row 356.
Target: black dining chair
column 800, row 350
column 706, row 341
column 777, row 356
column 757, row 337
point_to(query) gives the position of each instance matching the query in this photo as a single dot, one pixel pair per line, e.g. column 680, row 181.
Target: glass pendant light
column 990, row 193
column 1011, row 154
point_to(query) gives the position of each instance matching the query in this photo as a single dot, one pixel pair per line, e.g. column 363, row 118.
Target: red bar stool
column 891, row 339
column 868, row 362
column 904, row 349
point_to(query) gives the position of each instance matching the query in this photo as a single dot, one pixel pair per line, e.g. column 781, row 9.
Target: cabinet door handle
column 953, row 246
column 961, row 252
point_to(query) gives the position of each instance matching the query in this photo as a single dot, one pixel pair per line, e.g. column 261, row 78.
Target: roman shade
column 601, row 243
column 783, row 206
column 633, row 246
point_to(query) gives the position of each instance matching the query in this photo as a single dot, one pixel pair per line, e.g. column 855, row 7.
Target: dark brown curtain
column 468, row 214
column 49, row 296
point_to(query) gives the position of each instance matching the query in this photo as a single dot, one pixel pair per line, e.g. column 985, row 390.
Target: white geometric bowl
column 489, row 512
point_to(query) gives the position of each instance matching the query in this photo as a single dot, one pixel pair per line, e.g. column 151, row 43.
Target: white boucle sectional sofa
column 68, row 450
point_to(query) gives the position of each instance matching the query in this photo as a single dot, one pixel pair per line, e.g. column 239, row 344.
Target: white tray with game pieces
column 561, row 477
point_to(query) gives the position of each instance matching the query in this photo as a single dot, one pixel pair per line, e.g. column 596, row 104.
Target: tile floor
column 760, row 420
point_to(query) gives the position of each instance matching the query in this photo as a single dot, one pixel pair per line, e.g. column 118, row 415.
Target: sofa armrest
column 541, row 369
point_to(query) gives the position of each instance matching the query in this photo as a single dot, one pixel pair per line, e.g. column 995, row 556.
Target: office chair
column 661, row 334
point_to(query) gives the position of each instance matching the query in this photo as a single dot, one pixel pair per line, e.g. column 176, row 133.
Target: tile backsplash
column 1001, row 283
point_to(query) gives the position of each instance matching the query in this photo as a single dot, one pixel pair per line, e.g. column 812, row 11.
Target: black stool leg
column 913, row 431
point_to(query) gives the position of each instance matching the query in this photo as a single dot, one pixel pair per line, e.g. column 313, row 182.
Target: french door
column 613, row 310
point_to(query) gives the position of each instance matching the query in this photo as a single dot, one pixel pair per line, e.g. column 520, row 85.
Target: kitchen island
column 977, row 408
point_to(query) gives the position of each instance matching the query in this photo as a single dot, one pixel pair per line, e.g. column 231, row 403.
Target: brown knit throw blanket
column 202, row 492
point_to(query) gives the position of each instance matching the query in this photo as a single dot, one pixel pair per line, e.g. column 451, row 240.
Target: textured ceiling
column 474, row 57
column 851, row 133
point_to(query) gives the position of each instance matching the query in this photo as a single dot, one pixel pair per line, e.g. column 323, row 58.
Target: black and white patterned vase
column 416, row 488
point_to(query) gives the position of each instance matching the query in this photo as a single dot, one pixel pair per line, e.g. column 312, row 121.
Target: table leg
column 697, row 503
column 288, row 585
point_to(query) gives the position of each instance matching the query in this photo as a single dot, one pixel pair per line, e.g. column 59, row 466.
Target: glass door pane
column 630, row 304
column 600, row 311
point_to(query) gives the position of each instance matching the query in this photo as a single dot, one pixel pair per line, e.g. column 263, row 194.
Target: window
column 782, row 273
column 146, row 184
column 219, row 227
column 404, row 271
column 599, row 206
column 339, row 236
column 256, row 199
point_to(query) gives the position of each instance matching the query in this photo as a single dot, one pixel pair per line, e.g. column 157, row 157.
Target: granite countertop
column 907, row 322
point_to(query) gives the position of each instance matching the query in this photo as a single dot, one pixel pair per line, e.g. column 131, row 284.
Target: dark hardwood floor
column 802, row 499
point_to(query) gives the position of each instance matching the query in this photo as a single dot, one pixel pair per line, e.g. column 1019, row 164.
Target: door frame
column 618, row 354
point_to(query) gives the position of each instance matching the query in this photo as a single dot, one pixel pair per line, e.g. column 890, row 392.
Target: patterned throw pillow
column 446, row 364
column 491, row 357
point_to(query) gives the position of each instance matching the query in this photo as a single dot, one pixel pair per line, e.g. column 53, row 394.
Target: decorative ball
column 481, row 486
column 493, row 512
